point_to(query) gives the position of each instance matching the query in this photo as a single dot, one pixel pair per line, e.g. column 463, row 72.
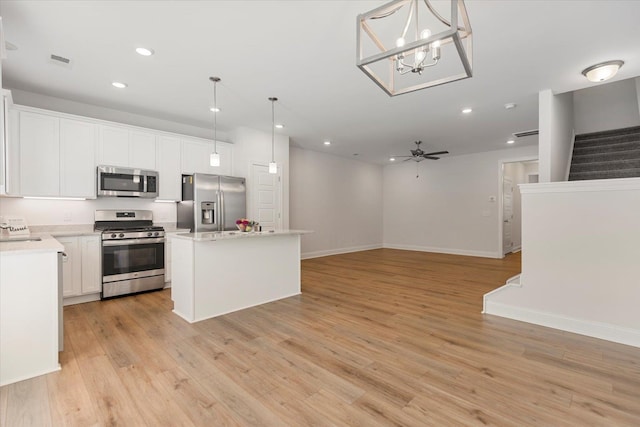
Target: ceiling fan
column 418, row 155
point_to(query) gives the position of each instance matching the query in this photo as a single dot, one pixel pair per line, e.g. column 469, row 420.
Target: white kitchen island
column 214, row 273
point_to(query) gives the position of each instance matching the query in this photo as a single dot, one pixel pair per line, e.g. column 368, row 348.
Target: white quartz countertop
column 65, row 230
column 18, row 245
column 230, row 235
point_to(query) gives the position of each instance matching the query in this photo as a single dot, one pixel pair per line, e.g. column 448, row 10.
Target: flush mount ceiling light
column 119, row 85
column 144, row 51
column 273, row 166
column 408, row 45
column 214, row 158
column 603, row 71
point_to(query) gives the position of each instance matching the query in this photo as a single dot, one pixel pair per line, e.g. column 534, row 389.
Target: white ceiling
column 303, row 52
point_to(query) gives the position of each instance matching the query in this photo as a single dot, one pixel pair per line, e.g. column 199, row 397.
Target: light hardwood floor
column 381, row 337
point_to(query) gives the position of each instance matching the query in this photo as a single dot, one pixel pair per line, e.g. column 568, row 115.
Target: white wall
column 339, row 199
column 556, row 132
column 607, row 106
column 637, row 79
column 254, row 146
column 448, row 208
column 580, row 269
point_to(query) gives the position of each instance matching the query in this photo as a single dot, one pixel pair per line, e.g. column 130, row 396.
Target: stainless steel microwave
column 125, row 182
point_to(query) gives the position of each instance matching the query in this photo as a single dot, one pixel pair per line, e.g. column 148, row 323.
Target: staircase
column 605, row 155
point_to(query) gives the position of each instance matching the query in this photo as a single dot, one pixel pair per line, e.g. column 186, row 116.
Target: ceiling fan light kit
column 419, row 155
column 408, row 45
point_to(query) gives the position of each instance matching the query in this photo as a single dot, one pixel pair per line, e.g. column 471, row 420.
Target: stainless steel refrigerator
column 211, row 202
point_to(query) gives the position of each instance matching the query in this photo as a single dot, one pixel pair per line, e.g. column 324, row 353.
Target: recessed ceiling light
column 327, row 143
column 603, row 71
column 466, row 110
column 279, row 126
column 119, row 85
column 214, row 110
column 511, row 141
column 392, row 159
column 144, row 51
column 510, row 106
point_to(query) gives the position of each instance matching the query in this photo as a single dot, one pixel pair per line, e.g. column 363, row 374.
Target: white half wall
column 453, row 207
column 339, row 199
column 607, row 106
column 556, row 135
column 580, row 260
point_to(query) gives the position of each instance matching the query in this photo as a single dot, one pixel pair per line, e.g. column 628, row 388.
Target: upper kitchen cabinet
column 77, row 159
column 196, row 153
column 120, row 146
column 168, row 161
column 39, row 154
column 57, row 156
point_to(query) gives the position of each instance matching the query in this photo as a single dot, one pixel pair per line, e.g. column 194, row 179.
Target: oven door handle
column 123, row 242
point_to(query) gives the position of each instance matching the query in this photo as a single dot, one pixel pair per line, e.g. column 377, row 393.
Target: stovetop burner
column 127, row 227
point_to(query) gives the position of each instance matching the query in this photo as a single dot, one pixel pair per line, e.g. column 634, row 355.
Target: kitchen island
column 214, row 273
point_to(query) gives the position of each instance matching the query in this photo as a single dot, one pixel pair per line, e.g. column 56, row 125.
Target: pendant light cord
column 215, row 118
column 273, row 128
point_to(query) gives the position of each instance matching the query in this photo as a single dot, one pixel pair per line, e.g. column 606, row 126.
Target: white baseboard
column 605, row 331
column 318, row 254
column 81, row 299
column 483, row 254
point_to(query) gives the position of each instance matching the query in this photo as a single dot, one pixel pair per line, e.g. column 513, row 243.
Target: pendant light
column 273, row 166
column 214, row 158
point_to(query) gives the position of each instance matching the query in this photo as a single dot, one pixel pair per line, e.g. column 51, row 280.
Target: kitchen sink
column 20, row 239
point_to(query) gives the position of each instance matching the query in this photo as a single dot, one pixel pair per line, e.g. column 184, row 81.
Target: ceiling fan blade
column 400, row 156
column 431, row 157
column 435, row 153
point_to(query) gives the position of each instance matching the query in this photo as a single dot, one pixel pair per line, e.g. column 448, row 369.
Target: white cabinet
column 77, row 159
column 39, row 154
column 114, row 146
column 5, row 103
column 121, row 146
column 196, row 153
column 142, row 150
column 71, row 266
column 168, row 161
column 57, row 156
column 81, row 268
column 90, row 247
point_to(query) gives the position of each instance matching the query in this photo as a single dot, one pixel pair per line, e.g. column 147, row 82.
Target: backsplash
column 70, row 212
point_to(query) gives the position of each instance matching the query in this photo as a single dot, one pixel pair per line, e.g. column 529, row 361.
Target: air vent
column 526, row 133
column 60, row 60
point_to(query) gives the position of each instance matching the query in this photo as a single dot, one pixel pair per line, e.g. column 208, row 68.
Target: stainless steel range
column 132, row 252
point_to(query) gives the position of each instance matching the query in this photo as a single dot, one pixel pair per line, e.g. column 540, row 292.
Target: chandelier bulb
column 425, row 34
column 400, row 42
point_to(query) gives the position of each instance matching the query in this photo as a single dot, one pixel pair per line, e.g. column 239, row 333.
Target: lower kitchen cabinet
column 81, row 268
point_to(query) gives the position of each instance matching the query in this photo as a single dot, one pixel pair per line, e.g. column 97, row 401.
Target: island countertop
column 230, row 235
column 35, row 242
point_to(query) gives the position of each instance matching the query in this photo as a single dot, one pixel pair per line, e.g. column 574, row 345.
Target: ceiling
column 303, row 52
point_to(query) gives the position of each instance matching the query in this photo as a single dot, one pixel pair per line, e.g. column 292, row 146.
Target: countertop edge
column 212, row 236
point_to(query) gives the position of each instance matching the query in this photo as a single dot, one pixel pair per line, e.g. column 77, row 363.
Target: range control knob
column 113, row 235
column 149, row 234
column 121, row 235
column 156, row 233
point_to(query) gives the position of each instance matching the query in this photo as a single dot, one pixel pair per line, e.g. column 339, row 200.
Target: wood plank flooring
column 377, row 338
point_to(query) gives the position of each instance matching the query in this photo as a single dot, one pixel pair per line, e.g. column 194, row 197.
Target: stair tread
column 621, row 173
column 608, row 156
column 607, row 148
column 608, row 133
column 605, row 165
column 608, row 141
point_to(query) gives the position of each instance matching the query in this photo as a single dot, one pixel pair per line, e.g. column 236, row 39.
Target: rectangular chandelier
column 408, row 45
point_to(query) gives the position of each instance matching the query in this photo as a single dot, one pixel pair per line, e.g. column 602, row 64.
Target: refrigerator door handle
column 221, row 209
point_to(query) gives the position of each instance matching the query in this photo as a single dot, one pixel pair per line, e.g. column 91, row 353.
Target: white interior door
column 507, row 215
column 265, row 197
